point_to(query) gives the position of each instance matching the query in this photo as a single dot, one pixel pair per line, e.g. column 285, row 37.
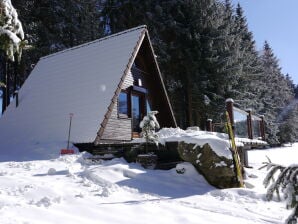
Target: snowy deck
column 252, row 143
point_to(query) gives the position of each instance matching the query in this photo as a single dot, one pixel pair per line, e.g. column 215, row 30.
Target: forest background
column 205, row 50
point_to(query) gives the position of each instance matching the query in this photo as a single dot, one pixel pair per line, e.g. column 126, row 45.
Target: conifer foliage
column 11, row 30
column 275, row 96
column 11, row 45
column 251, row 71
column 54, row 25
column 286, row 183
column 50, row 26
column 196, row 45
column 207, row 54
column 204, row 48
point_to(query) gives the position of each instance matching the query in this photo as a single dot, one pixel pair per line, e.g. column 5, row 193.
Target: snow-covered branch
column 11, row 30
column 286, row 183
column 149, row 124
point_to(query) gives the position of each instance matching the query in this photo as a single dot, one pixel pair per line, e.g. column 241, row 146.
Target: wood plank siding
column 119, row 128
column 143, row 80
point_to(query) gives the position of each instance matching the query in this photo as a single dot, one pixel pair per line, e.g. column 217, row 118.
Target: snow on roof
column 81, row 80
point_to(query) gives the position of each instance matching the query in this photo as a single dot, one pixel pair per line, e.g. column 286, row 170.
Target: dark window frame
column 127, row 114
column 134, row 91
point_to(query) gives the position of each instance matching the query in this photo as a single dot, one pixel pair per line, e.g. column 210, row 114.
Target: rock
column 217, row 170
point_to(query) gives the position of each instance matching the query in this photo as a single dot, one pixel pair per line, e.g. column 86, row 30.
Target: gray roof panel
column 80, row 80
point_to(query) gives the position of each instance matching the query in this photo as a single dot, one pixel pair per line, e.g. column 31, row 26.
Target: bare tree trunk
column 8, row 82
column 4, row 89
column 188, row 97
column 15, row 76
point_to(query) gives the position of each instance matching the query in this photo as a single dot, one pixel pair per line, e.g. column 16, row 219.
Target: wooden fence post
column 229, row 108
column 249, row 124
column 262, row 127
column 209, row 125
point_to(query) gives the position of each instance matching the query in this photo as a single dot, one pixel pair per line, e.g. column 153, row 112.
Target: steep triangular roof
column 81, row 80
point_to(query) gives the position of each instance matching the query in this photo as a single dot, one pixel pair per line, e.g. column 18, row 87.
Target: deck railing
column 244, row 123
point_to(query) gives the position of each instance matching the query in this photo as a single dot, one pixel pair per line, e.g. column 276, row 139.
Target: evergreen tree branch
column 287, row 183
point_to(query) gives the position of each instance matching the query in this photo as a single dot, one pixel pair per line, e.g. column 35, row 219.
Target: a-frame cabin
column 140, row 90
column 108, row 84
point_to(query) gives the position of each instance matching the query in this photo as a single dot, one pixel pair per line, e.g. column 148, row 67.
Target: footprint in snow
column 3, row 173
column 45, row 202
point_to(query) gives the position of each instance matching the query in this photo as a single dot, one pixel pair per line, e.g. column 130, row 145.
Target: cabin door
column 138, row 112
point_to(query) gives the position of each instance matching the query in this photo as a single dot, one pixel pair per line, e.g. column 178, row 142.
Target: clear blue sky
column 277, row 22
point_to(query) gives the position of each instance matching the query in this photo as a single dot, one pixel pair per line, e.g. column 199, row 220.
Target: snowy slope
column 80, row 80
column 70, row 190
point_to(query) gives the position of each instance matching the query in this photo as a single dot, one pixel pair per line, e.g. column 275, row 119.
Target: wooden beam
column 229, row 108
column 262, row 127
column 209, row 125
column 249, row 124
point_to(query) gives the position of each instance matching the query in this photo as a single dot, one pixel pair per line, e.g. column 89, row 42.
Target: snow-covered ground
column 72, row 190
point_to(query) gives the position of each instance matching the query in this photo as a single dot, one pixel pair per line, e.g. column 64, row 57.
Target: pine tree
column 288, row 117
column 251, row 71
column 223, row 65
column 288, row 128
column 57, row 25
column 11, row 45
column 197, row 50
column 52, row 25
column 296, row 91
column 276, row 96
column 286, row 183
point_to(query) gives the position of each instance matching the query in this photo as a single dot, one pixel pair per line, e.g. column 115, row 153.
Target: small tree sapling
column 148, row 125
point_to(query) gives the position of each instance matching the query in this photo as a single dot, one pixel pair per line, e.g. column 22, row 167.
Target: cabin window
column 123, row 105
column 133, row 104
column 138, row 109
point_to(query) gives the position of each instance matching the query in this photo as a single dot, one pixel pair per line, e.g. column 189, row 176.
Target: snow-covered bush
column 11, row 31
column 148, row 125
column 286, row 183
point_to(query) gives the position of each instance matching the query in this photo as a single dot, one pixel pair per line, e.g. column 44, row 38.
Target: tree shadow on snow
column 166, row 183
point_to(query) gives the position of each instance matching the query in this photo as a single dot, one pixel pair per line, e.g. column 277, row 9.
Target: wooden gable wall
column 156, row 92
column 119, row 128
